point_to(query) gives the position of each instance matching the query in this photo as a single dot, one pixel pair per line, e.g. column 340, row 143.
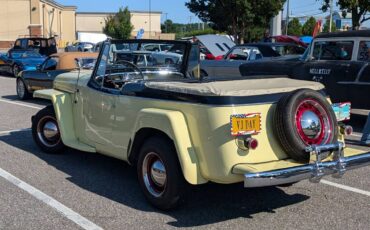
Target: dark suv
column 341, row 61
column 44, row 46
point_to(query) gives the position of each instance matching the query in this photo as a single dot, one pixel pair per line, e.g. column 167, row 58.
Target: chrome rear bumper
column 313, row 171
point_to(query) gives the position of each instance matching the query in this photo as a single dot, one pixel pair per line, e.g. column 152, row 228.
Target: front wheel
column 160, row 174
column 45, row 131
column 22, row 91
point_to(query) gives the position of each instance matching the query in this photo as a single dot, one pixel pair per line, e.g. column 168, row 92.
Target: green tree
column 236, row 17
column 358, row 8
column 326, row 26
column 168, row 27
column 119, row 26
column 309, row 26
column 294, row 27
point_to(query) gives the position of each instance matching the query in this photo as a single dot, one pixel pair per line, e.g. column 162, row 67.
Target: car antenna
column 78, row 62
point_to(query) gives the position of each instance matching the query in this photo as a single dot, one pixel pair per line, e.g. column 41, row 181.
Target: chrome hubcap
column 311, row 124
column 48, row 131
column 158, row 173
column 154, row 174
column 20, row 88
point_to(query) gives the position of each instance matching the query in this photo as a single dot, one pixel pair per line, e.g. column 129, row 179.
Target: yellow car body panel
column 174, row 125
column 62, row 103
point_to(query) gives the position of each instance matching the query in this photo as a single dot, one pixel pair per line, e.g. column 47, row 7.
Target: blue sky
column 176, row 9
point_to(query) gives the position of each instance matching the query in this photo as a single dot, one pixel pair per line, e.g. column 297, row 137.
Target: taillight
column 346, row 130
column 251, row 143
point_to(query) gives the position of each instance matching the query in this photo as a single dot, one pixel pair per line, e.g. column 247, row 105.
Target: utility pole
column 331, row 15
column 190, row 26
column 287, row 18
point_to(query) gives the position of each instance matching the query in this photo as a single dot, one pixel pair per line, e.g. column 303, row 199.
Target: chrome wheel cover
column 20, row 89
column 311, row 124
column 154, row 174
column 48, row 131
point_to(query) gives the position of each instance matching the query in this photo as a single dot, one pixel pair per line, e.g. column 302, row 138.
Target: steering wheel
column 133, row 66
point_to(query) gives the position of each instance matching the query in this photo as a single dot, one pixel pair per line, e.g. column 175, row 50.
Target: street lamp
column 150, row 18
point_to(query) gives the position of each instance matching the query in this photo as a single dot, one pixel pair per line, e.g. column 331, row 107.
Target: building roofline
column 131, row 11
column 58, row 5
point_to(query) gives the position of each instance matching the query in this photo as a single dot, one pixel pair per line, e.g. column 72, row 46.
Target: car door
column 3, row 62
column 43, row 77
column 329, row 64
column 98, row 109
column 7, row 62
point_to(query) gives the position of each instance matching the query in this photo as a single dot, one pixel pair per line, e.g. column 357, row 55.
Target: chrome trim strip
column 313, row 171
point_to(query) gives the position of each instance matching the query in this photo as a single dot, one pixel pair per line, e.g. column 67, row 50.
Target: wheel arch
column 171, row 125
column 63, row 106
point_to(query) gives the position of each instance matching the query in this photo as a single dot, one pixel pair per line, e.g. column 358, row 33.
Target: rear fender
column 63, row 107
column 173, row 124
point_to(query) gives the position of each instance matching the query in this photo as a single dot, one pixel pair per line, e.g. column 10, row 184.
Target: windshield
column 127, row 61
column 24, row 54
column 144, row 59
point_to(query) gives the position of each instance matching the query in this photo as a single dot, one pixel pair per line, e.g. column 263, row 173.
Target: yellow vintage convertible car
column 151, row 110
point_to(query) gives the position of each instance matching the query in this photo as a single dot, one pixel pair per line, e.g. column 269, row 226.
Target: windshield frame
column 183, row 69
column 185, row 59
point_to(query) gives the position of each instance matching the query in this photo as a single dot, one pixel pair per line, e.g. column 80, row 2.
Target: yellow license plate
column 245, row 124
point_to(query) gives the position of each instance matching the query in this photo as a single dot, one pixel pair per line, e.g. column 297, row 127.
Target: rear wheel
column 160, row 174
column 22, row 91
column 45, row 131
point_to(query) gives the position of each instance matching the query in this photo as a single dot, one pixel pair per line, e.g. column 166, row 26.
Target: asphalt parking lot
column 79, row 190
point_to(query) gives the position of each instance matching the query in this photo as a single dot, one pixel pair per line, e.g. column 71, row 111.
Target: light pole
column 331, row 15
column 150, row 18
column 165, row 22
column 287, row 18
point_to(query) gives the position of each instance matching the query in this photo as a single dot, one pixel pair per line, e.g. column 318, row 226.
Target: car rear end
column 239, row 140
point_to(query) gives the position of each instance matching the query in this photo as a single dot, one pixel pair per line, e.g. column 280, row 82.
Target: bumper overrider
column 314, row 171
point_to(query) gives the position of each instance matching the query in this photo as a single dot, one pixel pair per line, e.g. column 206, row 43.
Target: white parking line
column 345, row 187
column 13, row 131
column 67, row 212
column 20, row 104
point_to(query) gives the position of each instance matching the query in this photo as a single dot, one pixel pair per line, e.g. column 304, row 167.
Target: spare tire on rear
column 302, row 118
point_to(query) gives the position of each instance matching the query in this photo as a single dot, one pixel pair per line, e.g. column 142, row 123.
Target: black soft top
column 345, row 34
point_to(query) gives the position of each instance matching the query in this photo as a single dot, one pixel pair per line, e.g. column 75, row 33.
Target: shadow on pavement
column 116, row 180
column 36, row 101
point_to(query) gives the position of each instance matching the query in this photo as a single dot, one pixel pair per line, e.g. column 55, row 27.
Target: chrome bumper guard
column 313, row 171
